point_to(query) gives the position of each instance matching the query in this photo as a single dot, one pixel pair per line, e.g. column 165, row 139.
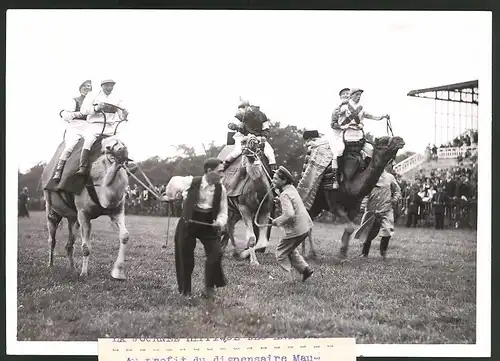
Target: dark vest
column 79, row 102
column 192, row 199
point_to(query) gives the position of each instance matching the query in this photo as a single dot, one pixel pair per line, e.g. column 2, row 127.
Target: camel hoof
column 118, row 274
column 84, row 275
column 254, row 263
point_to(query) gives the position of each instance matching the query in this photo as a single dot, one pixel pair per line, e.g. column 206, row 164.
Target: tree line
column 286, row 141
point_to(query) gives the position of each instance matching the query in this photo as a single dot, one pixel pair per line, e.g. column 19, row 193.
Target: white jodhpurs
column 337, row 146
column 93, row 130
column 74, row 131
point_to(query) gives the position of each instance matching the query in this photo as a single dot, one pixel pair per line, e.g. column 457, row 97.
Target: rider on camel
column 349, row 114
column 249, row 119
column 76, row 127
column 92, row 106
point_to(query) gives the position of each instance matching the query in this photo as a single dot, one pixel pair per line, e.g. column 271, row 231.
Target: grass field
column 424, row 293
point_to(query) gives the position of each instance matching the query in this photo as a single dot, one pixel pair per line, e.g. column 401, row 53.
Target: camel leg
column 346, row 237
column 53, row 219
column 312, row 251
column 249, row 236
column 231, row 223
column 72, row 229
column 85, row 228
column 263, row 241
column 118, row 272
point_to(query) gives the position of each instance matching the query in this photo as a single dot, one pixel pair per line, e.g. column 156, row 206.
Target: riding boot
column 59, row 170
column 384, row 244
column 84, row 163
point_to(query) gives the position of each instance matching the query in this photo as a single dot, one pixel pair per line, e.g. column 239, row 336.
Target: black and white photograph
column 254, row 174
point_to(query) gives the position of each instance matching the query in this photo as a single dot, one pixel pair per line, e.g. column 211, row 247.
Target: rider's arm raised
column 373, row 117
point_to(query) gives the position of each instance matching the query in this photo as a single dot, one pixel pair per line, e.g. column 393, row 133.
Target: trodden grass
column 424, row 293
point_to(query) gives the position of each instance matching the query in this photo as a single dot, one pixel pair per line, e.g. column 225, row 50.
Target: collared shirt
column 178, row 187
column 383, row 194
column 295, row 219
column 93, row 99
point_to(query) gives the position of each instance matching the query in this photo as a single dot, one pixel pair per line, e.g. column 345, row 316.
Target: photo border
column 483, row 285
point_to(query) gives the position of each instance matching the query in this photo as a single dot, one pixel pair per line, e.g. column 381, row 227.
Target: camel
column 358, row 179
column 101, row 193
column 250, row 194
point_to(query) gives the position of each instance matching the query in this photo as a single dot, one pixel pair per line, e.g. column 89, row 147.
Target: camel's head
column 115, row 149
column 386, row 149
column 252, row 147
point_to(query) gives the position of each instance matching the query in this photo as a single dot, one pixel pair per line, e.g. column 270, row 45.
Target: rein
column 256, row 155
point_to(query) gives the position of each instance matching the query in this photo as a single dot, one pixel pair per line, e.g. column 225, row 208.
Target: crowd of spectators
column 451, row 192
column 464, row 142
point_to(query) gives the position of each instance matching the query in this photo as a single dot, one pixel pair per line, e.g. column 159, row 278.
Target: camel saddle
column 234, row 187
column 69, row 182
column 317, row 169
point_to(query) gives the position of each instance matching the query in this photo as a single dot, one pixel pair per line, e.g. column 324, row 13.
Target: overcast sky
column 181, row 73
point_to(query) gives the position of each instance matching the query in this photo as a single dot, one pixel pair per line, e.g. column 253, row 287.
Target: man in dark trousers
column 205, row 201
column 414, row 205
column 439, row 201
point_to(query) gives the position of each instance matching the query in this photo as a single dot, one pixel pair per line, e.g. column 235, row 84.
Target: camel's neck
column 113, row 183
column 361, row 185
column 257, row 173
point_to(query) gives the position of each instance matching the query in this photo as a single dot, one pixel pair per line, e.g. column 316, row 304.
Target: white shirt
column 93, row 99
column 178, row 186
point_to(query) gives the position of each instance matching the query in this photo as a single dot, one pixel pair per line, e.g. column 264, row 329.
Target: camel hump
column 69, row 182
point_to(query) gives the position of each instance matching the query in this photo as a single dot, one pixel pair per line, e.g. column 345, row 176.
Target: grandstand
column 455, row 128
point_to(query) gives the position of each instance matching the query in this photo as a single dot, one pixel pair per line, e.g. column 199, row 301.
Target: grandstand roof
column 467, row 87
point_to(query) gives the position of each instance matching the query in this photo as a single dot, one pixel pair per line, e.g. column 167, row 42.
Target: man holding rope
column 295, row 222
column 204, row 215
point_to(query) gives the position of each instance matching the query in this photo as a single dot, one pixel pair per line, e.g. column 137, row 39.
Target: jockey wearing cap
column 92, row 106
column 250, row 120
column 76, row 127
column 349, row 114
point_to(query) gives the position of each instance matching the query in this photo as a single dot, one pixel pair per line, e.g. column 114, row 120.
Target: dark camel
column 358, row 179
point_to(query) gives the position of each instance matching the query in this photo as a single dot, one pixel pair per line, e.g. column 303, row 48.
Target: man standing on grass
column 295, row 222
column 205, row 201
column 379, row 213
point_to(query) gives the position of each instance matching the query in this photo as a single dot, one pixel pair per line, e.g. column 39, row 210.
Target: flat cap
column 106, row 81
column 343, row 90
column 356, row 90
column 285, row 174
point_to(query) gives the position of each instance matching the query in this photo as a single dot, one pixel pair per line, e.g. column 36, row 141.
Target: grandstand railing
column 409, row 163
column 454, row 152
